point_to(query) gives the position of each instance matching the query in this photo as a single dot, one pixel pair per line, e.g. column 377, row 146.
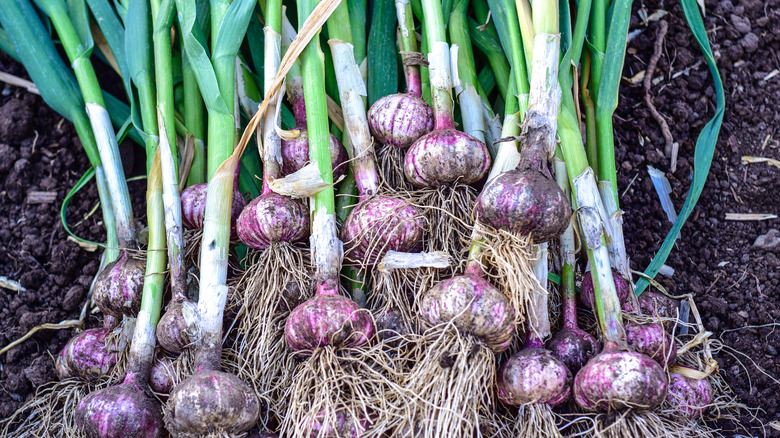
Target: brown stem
column 534, row 151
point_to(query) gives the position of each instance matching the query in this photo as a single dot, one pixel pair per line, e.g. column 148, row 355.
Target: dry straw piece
column 512, row 256
column 309, row 30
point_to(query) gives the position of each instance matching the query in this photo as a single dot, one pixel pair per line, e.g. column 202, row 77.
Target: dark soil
column 736, row 285
column 40, row 152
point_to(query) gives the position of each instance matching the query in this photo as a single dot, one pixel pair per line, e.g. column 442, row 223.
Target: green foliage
column 55, row 81
column 80, row 184
column 382, row 60
column 705, row 144
column 608, row 92
column 256, row 40
column 197, row 52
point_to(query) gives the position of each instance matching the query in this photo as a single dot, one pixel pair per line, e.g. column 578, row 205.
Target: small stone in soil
column 16, row 383
column 768, row 241
column 750, row 42
column 13, row 355
column 8, row 157
column 72, row 298
column 39, row 373
column 16, row 120
column 741, row 24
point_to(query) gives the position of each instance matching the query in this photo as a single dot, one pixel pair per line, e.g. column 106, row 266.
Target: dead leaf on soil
column 58, row 326
column 7, row 283
column 750, row 216
column 636, row 79
column 86, row 246
column 747, row 159
column 19, row 82
column 39, row 197
column 701, row 6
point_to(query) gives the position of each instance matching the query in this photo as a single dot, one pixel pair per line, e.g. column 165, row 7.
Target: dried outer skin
column 399, row 119
column 327, row 320
column 475, row 306
column 209, row 402
column 173, row 329
column 574, row 347
column 295, row 154
column 193, row 206
column 160, row 377
column 345, row 426
column 534, row 375
column 652, row 340
column 379, row 225
column 118, row 287
column 444, row 157
column 615, row 380
column 588, row 295
column 272, row 218
column 524, row 202
column 688, row 396
column 122, row 411
column 86, row 356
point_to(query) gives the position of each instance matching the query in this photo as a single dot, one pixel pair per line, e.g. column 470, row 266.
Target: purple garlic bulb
column 121, row 411
column 615, row 380
column 174, row 328
column 292, row 295
column 390, row 323
column 660, row 306
column 534, row 375
column 161, row 377
column 119, row 285
column 475, row 306
column 652, row 340
column 193, row 206
column 444, row 157
column 211, row 401
column 379, row 225
column 588, row 295
column 86, row 356
column 688, row 396
column 295, row 154
column 327, row 319
column 272, row 218
column 524, row 202
column 574, row 347
column 400, row 119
